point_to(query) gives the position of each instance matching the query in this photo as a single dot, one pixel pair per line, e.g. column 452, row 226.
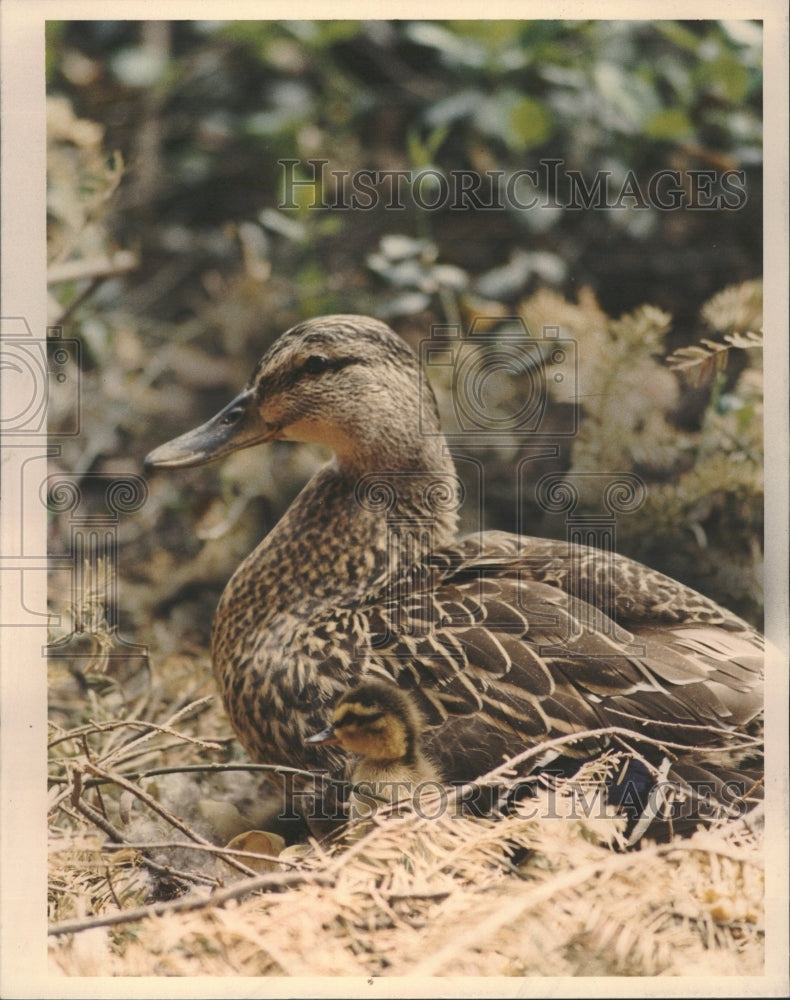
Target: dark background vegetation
column 164, row 146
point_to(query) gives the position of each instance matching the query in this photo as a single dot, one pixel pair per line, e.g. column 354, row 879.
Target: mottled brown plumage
column 364, row 577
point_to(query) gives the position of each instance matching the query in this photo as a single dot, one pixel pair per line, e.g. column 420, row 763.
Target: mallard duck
column 380, row 725
column 365, row 577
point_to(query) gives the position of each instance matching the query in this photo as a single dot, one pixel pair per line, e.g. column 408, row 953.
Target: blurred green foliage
column 165, row 139
column 203, row 111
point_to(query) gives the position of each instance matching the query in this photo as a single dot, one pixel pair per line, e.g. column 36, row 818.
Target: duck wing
column 616, row 584
column 501, row 654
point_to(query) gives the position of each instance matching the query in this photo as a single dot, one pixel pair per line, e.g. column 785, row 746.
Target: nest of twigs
column 143, row 804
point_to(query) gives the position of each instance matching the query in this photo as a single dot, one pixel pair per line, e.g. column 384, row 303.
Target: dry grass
column 414, row 896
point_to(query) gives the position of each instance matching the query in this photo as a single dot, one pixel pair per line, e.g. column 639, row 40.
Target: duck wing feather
column 498, row 635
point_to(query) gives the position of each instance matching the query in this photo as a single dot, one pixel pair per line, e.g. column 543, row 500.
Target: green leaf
column 725, row 76
column 422, row 152
column 679, row 35
column 671, row 123
column 530, row 122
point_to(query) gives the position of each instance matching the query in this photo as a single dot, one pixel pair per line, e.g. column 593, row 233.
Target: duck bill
column 327, row 737
column 236, row 426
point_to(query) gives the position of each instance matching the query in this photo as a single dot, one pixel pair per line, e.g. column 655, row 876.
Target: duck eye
column 233, row 416
column 315, row 364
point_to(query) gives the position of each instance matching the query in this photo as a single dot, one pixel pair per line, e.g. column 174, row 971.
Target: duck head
column 374, row 720
column 346, row 382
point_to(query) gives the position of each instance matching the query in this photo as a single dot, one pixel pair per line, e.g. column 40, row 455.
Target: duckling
column 380, row 725
column 365, row 574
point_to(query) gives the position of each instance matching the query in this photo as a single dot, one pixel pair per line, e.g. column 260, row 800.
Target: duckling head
column 346, row 382
column 376, row 721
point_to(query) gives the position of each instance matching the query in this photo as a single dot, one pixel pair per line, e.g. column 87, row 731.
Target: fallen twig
column 273, row 880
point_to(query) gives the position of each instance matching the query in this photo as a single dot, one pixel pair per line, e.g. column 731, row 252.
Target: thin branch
column 272, row 880
column 167, row 727
column 712, row 354
column 105, row 727
column 500, row 772
column 164, row 870
column 101, row 266
column 161, row 811
column 150, row 772
column 171, row 845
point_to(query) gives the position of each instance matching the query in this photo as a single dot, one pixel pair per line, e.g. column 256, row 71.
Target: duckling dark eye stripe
column 351, row 718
